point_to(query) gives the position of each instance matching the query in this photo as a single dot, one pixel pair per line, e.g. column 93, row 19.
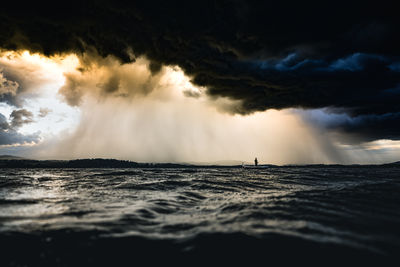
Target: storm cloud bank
column 269, row 55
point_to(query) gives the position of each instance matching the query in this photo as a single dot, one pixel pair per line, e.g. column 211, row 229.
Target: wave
column 89, row 217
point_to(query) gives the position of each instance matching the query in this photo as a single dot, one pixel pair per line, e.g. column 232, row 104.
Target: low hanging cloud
column 107, row 77
column 20, row 117
column 7, row 87
column 353, row 129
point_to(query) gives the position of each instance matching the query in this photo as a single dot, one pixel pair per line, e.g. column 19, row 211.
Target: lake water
column 115, row 217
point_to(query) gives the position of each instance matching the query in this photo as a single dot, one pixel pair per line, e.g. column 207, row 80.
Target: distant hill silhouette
column 11, row 157
column 393, row 163
column 7, row 161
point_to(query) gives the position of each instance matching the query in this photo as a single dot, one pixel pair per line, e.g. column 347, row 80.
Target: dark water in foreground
column 111, row 217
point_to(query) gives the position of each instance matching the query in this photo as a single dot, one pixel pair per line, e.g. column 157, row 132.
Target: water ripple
column 353, row 209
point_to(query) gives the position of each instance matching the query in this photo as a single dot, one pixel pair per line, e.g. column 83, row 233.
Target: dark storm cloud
column 358, row 129
column 9, row 136
column 269, row 54
column 372, row 127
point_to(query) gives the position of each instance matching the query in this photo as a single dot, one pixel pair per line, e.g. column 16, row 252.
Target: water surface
column 71, row 217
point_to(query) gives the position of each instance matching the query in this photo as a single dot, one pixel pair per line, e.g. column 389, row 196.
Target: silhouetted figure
column 255, row 162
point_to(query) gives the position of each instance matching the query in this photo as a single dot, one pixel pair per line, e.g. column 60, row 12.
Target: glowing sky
column 70, row 106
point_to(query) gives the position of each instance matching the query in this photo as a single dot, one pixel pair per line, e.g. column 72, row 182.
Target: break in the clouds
column 9, row 136
column 29, row 107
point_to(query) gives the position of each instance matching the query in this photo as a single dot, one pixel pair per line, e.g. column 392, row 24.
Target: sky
column 206, row 81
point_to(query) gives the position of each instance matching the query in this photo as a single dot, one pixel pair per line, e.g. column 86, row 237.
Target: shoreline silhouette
column 115, row 163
